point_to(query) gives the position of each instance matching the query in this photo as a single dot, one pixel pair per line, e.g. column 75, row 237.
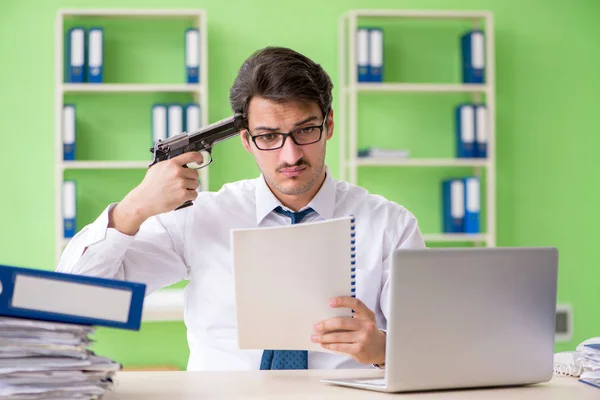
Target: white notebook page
column 284, row 278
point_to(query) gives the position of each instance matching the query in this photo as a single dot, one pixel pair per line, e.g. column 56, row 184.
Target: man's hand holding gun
column 171, row 182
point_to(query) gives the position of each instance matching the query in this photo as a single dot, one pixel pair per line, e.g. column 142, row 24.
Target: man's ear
column 244, row 136
column 330, row 124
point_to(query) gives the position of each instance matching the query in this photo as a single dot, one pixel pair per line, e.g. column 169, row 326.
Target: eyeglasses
column 301, row 136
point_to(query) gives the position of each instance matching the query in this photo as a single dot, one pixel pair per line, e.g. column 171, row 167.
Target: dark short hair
column 280, row 74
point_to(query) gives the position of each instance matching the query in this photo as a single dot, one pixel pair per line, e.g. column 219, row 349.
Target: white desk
column 289, row 385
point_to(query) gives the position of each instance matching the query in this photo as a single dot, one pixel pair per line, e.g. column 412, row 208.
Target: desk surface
column 306, row 385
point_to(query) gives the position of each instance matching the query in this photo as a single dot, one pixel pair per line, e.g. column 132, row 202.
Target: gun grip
column 184, row 205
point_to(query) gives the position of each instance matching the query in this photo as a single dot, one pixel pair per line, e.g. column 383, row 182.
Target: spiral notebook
column 284, row 278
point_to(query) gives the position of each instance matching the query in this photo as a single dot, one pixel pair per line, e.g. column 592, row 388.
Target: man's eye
column 267, row 137
column 307, row 130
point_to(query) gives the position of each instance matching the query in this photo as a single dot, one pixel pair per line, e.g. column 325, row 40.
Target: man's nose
column 290, row 153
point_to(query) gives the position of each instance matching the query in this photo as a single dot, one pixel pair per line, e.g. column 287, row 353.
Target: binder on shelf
column 68, row 132
column 376, row 55
column 465, row 131
column 192, row 117
column 69, row 298
column 75, row 55
column 95, row 55
column 69, row 207
column 472, row 205
column 362, row 54
column 191, row 55
column 481, row 131
column 159, row 122
column 453, row 205
column 473, row 57
column 174, row 120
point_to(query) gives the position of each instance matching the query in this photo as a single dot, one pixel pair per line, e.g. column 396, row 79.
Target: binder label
column 61, row 297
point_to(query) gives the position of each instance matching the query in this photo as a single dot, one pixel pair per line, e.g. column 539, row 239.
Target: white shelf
column 420, row 87
column 423, row 14
column 199, row 92
column 456, row 237
column 421, row 162
column 129, row 13
column 352, row 96
column 164, row 305
column 105, row 164
column 128, row 88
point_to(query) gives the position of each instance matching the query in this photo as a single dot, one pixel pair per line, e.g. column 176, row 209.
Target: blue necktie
column 286, row 359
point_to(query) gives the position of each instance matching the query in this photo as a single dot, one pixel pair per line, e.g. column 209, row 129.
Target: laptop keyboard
column 376, row 382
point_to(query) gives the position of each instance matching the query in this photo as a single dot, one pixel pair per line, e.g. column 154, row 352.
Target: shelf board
column 421, row 162
column 128, row 88
column 425, row 14
column 420, row 87
column 456, row 237
column 129, row 13
column 105, row 164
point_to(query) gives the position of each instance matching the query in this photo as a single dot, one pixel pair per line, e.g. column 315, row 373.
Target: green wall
column 548, row 91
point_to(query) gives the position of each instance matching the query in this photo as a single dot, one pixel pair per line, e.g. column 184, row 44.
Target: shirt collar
column 323, row 202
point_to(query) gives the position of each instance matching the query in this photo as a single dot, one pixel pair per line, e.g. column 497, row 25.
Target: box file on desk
column 60, row 297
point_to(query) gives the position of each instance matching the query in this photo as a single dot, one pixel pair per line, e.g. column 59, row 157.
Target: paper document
column 284, row 278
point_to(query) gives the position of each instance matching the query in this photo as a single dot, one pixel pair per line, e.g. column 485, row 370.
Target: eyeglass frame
column 291, row 135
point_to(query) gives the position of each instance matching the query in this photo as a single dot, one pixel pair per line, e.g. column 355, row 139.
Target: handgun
column 201, row 140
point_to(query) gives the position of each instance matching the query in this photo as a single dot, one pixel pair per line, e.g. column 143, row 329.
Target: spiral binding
column 353, row 257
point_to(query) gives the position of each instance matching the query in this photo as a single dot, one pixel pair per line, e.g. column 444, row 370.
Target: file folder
column 68, row 132
column 362, row 54
column 453, row 205
column 69, row 207
column 473, row 57
column 60, row 297
column 465, row 131
column 375, row 55
column 191, row 55
column 75, row 53
column 472, row 205
column 174, row 120
column 481, row 131
column 159, row 123
column 192, row 117
column 95, row 55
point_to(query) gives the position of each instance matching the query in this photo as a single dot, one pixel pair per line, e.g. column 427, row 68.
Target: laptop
column 467, row 318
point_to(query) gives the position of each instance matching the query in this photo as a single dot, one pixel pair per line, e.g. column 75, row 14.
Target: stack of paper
column 589, row 352
column 49, row 360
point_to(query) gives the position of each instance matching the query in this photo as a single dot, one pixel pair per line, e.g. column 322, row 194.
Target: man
column 285, row 99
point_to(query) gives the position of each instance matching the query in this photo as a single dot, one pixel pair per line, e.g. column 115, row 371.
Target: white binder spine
column 175, row 120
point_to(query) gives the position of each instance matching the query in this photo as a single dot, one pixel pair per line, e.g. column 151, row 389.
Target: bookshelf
column 164, row 304
column 352, row 91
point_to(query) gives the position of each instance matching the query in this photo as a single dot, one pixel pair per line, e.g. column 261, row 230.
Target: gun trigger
column 207, row 160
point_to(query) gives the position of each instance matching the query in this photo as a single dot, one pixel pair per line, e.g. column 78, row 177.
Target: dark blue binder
column 59, row 297
column 472, row 205
column 75, row 55
column 465, row 131
column 453, row 209
column 69, row 132
column 192, row 56
column 375, row 55
column 473, row 57
column 481, row 131
column 362, row 54
column 95, row 55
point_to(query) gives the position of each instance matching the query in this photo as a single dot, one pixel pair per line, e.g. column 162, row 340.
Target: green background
column 547, row 93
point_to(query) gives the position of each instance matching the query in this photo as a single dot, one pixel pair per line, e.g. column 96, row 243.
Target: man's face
column 293, row 169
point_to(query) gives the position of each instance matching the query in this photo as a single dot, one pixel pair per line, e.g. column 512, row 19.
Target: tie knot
column 296, row 217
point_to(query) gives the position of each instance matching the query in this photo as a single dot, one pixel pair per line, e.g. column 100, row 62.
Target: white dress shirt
column 194, row 243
